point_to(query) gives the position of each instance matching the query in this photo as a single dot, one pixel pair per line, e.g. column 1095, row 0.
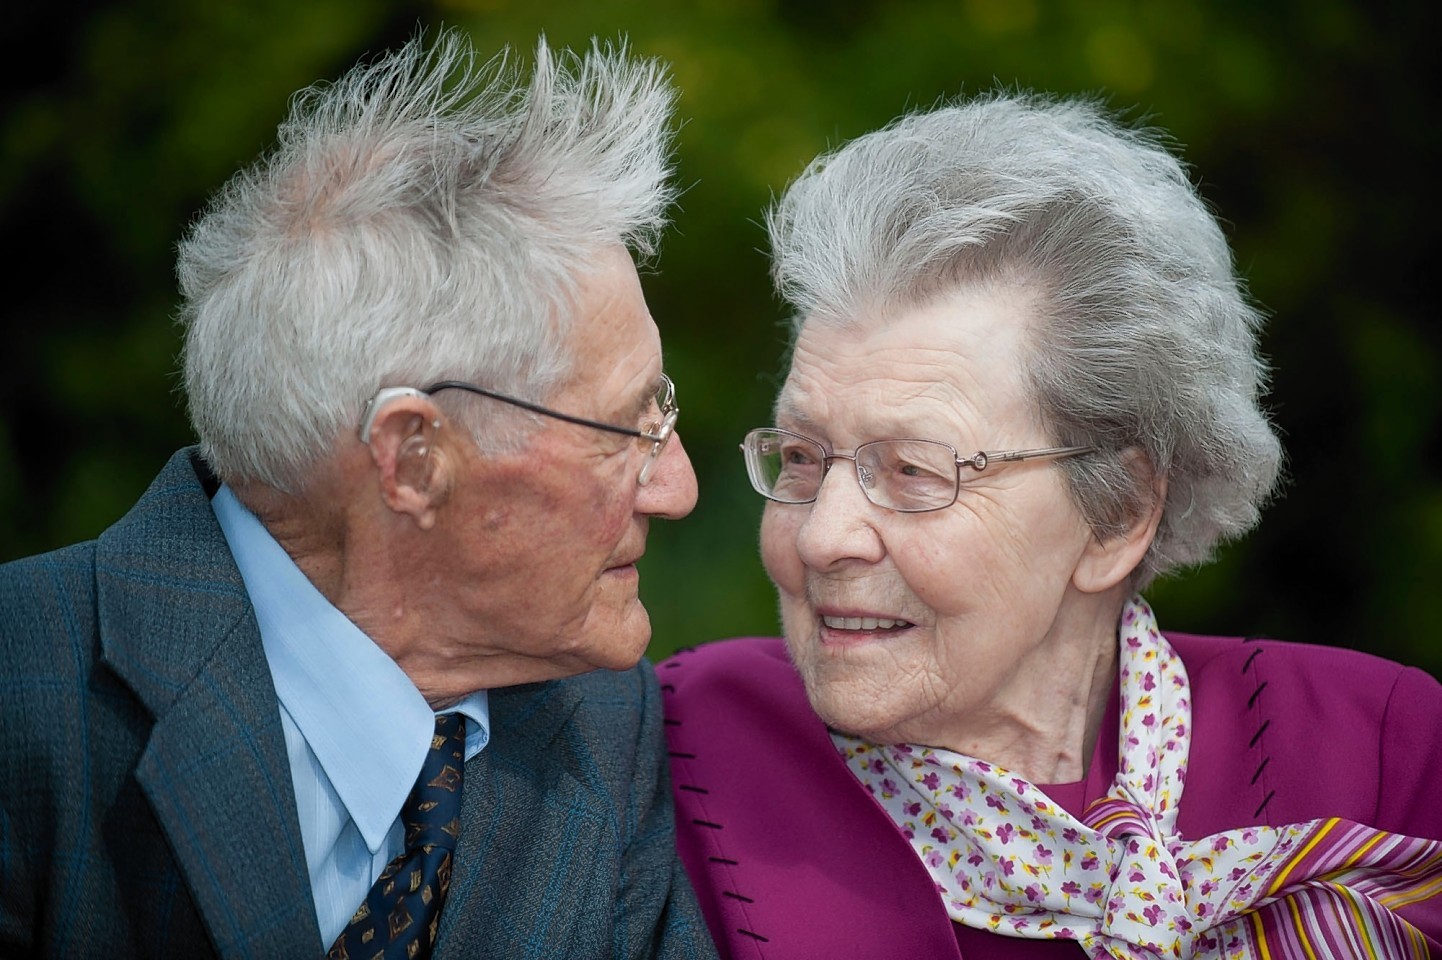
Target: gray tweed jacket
column 146, row 807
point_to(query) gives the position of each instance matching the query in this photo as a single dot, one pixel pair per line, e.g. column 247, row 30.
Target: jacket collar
column 177, row 628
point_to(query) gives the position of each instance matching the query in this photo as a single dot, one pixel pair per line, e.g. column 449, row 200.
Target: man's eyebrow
column 647, row 395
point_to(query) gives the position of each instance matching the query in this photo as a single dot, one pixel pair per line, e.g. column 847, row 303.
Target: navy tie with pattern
column 400, row 915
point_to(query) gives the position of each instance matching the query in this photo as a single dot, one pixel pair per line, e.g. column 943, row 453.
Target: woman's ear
column 413, row 472
column 1110, row 561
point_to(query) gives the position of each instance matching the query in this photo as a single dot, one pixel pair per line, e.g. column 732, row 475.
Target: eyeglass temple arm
column 982, row 458
column 533, row 407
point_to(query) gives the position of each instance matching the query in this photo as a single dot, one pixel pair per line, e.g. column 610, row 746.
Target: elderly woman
column 1024, row 384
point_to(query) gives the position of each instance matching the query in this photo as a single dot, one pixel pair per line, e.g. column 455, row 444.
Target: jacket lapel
column 522, row 809
column 176, row 626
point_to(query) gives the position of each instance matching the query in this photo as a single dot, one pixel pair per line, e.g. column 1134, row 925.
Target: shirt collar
column 363, row 718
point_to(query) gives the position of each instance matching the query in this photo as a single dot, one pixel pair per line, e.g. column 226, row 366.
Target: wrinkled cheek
column 779, row 554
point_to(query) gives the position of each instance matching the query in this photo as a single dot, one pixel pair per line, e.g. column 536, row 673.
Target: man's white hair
column 426, row 217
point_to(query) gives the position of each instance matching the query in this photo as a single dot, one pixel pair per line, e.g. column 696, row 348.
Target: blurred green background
column 1311, row 126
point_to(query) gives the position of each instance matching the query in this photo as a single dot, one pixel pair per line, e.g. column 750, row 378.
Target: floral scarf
column 1120, row 880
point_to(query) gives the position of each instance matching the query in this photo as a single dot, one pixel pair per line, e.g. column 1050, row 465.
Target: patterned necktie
column 400, row 915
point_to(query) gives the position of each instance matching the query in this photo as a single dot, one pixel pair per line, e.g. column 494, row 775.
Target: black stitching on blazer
column 1258, row 811
column 668, row 687
column 708, row 823
column 670, row 722
column 726, row 860
column 1260, row 767
column 1252, row 700
column 693, row 789
column 755, row 936
column 1258, row 735
column 681, row 755
column 1248, row 665
column 670, row 665
column 736, row 896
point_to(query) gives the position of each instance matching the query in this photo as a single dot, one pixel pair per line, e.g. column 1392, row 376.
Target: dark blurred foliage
column 1310, row 126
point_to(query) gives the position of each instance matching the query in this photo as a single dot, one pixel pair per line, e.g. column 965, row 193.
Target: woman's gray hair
column 426, row 217
column 1145, row 338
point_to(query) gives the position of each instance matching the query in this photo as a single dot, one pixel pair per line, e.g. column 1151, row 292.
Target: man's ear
column 1107, row 562
column 412, row 470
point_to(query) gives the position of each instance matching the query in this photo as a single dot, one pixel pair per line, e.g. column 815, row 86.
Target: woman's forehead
column 939, row 367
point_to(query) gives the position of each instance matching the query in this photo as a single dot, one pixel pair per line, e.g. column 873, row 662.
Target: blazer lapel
column 176, row 625
column 523, row 809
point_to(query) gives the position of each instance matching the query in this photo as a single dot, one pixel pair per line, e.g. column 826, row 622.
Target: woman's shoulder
column 1307, row 730
column 720, row 667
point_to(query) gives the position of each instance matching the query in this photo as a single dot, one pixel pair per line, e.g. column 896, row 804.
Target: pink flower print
column 1020, row 785
column 1250, row 835
column 1167, row 870
column 888, row 786
column 1033, row 892
column 1148, row 784
column 975, row 859
column 1237, row 873
column 968, row 818
column 931, row 781
column 1043, row 855
column 939, row 835
column 1208, row 886
column 1149, row 721
column 982, row 766
column 1038, row 824
column 994, row 801
column 1008, row 866
column 877, row 765
column 945, row 811
column 1203, row 909
column 1089, row 862
column 935, row 858
column 1184, row 924
column 1070, row 835
column 1181, row 732
column 961, row 791
column 1221, row 843
column 912, row 809
column 1136, row 875
column 1153, row 914
column 1149, row 682
column 1094, row 893
column 1071, row 888
column 1005, row 832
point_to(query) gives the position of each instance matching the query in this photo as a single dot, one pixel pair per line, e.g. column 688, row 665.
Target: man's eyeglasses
column 911, row 476
column 654, row 433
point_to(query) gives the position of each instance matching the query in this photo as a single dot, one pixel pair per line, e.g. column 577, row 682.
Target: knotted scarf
column 1120, row 880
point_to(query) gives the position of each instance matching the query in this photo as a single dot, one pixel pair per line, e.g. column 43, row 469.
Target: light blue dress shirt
column 356, row 728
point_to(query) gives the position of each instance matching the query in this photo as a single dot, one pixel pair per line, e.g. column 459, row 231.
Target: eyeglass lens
column 658, row 426
column 910, row 475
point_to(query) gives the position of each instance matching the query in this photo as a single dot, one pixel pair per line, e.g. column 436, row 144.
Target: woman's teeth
column 863, row 623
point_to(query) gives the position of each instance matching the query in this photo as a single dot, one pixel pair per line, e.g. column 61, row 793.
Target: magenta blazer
column 791, row 858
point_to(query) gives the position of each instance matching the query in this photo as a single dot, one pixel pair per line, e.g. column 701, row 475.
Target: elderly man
column 327, row 687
